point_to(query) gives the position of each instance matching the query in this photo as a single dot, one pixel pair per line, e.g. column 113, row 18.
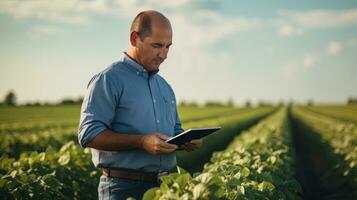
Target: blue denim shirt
column 127, row 99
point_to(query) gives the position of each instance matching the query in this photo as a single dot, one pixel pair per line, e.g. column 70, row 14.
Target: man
column 129, row 111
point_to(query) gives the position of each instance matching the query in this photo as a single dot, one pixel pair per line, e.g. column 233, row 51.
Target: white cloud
column 309, row 60
column 290, row 68
column 297, row 22
column 334, row 48
column 287, row 30
column 192, row 39
column 190, row 29
column 169, row 4
column 321, row 18
column 81, row 11
column 70, row 11
column 296, row 66
column 40, row 31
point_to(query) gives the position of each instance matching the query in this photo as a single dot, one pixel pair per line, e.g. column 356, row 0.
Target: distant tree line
column 10, row 100
column 352, row 100
column 69, row 101
column 228, row 103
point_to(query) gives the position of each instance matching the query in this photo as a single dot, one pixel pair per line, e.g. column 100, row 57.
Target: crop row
column 231, row 125
column 331, row 147
column 345, row 113
column 67, row 173
column 13, row 144
column 257, row 165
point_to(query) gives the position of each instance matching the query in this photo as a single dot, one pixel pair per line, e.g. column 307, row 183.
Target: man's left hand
column 192, row 145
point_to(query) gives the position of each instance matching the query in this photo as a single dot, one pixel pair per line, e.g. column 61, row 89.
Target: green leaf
column 183, row 179
column 265, row 185
column 273, row 159
column 169, row 179
column 2, row 182
column 150, row 194
column 64, row 159
column 199, row 191
column 245, row 172
column 13, row 173
column 181, row 170
column 204, row 177
column 242, row 190
column 260, row 169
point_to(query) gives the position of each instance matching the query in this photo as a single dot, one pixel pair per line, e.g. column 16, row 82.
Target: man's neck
column 132, row 56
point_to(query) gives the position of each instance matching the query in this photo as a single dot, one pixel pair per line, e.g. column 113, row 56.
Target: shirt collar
column 136, row 66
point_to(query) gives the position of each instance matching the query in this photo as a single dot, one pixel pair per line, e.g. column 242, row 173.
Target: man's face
column 152, row 50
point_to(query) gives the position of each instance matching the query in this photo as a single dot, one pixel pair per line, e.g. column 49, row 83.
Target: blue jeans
column 117, row 188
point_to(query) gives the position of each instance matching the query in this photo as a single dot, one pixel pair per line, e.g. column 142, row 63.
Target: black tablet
column 191, row 134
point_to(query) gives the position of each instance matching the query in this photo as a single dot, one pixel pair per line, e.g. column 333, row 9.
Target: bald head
column 144, row 21
column 150, row 39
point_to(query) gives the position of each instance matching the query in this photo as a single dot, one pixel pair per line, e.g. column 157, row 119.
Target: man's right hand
column 155, row 144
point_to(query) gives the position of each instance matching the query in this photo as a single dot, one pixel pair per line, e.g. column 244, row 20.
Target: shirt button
column 154, row 100
column 158, row 121
column 172, row 101
column 137, row 73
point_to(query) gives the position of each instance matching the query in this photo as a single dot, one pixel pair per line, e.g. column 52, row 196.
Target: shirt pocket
column 170, row 111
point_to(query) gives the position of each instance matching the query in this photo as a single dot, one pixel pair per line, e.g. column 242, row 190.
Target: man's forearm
column 109, row 140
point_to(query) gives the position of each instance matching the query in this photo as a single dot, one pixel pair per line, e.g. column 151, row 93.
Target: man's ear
column 133, row 37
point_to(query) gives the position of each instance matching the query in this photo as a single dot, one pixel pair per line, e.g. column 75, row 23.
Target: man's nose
column 163, row 53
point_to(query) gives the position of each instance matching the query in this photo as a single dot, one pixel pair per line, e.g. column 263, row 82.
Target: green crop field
column 298, row 152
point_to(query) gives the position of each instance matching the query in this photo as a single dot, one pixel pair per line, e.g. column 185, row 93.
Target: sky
column 240, row 50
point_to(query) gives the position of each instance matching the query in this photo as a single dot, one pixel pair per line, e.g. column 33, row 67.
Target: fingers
column 188, row 147
column 196, row 142
column 164, row 147
column 164, row 144
column 162, row 136
column 164, row 150
column 192, row 145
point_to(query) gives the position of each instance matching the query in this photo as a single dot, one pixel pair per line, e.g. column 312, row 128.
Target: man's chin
column 154, row 68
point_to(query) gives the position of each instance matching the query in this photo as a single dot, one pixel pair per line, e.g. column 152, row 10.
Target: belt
column 133, row 175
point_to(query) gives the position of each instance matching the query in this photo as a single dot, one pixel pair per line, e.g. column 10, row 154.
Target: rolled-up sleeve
column 98, row 108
